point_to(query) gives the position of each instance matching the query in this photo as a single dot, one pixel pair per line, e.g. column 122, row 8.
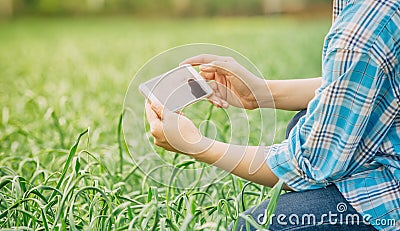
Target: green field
column 60, row 77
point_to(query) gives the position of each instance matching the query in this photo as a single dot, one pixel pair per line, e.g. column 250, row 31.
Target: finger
column 207, row 75
column 160, row 110
column 153, row 120
column 156, row 130
column 157, row 108
column 221, row 81
column 217, row 66
column 151, row 115
column 224, row 104
column 216, row 90
column 215, row 100
column 213, row 86
column 204, row 58
column 218, row 102
column 200, row 59
column 222, row 84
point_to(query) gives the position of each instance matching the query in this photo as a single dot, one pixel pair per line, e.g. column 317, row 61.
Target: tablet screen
column 177, row 89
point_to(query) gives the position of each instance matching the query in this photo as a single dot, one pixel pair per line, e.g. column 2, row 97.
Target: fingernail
column 217, row 103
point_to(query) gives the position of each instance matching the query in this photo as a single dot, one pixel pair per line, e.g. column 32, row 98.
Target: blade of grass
column 67, row 163
column 275, row 194
column 59, row 129
column 120, row 150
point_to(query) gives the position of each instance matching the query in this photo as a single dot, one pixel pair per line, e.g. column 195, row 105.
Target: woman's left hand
column 174, row 131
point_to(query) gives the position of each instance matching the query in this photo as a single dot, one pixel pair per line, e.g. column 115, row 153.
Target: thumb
column 219, row 67
column 160, row 110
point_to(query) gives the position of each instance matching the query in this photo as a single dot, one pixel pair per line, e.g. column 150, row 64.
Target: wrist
column 214, row 152
column 262, row 94
column 200, row 149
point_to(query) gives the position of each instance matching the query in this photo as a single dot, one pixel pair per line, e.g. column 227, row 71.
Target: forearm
column 247, row 162
column 292, row 95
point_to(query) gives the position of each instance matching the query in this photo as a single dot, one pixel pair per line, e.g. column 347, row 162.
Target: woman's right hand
column 233, row 84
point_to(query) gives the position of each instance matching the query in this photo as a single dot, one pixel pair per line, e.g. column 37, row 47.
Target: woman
column 343, row 156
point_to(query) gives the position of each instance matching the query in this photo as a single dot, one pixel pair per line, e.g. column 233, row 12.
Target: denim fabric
column 312, row 210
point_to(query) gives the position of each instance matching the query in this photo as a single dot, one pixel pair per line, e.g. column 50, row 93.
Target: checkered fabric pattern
column 350, row 135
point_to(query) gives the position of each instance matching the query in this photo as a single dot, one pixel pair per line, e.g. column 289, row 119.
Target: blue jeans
column 319, row 209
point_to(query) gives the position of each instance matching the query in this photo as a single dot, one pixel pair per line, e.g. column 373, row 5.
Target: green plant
column 63, row 161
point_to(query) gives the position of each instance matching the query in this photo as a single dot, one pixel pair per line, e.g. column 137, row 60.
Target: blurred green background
column 180, row 8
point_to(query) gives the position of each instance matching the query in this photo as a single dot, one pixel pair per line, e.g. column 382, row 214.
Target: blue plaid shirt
column 350, row 135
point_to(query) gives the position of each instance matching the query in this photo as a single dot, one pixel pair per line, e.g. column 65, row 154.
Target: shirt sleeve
column 326, row 143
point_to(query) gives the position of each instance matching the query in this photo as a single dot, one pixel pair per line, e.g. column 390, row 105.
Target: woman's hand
column 177, row 133
column 173, row 131
column 233, row 84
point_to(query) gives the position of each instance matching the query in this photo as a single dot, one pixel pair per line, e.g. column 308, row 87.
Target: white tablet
column 176, row 88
